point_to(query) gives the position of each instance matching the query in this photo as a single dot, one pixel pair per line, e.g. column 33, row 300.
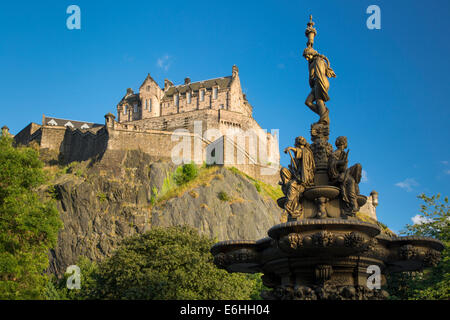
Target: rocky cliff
column 128, row 192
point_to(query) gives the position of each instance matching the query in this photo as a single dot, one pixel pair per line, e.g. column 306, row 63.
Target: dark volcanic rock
column 103, row 206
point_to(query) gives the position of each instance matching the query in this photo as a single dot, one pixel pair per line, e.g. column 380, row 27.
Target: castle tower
column 150, row 96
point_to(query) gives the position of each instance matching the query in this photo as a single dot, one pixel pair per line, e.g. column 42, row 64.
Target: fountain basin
column 328, row 192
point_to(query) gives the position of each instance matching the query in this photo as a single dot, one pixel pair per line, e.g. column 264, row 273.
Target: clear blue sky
column 390, row 97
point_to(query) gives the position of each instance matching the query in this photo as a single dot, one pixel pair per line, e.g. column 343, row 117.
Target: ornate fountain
column 323, row 251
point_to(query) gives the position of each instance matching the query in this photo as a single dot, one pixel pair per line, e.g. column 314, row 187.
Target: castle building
column 212, row 118
column 218, row 103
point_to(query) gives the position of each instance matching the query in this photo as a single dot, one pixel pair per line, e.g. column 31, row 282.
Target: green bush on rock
column 164, row 263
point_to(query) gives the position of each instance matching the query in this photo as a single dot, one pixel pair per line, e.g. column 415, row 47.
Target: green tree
column 185, row 173
column 57, row 288
column 432, row 283
column 28, row 226
column 168, row 263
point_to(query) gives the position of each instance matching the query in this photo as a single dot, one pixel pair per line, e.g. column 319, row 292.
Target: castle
column 206, row 121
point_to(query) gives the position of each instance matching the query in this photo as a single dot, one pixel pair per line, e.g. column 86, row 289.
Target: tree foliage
column 164, row 264
column 28, row 226
column 433, row 283
column 185, row 173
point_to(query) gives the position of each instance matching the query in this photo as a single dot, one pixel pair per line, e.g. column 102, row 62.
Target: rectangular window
column 215, row 92
column 135, row 108
column 150, row 105
column 188, row 97
column 125, row 110
column 202, row 95
column 176, row 100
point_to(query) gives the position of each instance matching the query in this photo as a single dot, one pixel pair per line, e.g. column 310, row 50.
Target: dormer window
column 148, row 88
column 202, row 95
column 215, row 92
column 188, row 97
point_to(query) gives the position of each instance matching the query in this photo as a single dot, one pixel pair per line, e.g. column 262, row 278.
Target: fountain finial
column 310, row 32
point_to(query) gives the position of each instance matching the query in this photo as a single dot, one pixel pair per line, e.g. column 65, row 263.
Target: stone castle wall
column 30, row 133
column 82, row 145
column 114, row 138
column 158, row 144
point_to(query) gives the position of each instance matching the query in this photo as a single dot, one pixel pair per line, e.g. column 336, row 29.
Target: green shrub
column 185, row 173
column 223, row 196
column 101, row 196
column 154, row 196
column 53, row 193
column 164, row 264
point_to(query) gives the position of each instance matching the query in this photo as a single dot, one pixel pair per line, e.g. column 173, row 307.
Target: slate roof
column 223, row 82
column 51, row 121
column 130, row 99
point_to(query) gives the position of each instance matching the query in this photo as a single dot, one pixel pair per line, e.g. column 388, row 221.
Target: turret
column 109, row 120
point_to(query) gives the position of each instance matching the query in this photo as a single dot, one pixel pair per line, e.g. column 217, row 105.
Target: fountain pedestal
column 326, row 258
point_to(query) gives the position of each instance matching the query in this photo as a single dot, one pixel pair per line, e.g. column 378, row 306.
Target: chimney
column 167, row 84
column 187, row 80
column 129, row 91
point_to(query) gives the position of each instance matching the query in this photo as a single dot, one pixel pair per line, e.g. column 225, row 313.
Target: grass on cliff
column 183, row 180
column 274, row 192
column 75, row 168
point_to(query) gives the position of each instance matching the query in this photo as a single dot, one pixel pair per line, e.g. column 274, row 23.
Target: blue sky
column 390, row 97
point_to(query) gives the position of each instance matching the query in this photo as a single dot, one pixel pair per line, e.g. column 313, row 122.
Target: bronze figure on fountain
column 319, row 72
column 298, row 176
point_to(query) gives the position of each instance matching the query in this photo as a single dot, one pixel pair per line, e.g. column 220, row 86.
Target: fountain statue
column 324, row 251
